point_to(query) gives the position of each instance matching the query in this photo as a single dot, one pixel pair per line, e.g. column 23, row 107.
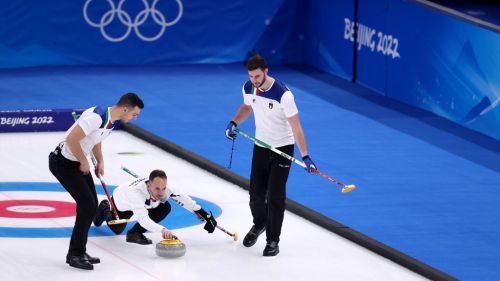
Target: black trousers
column 156, row 214
column 81, row 187
column 268, row 189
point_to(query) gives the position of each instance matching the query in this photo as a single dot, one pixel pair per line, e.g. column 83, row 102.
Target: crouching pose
column 146, row 198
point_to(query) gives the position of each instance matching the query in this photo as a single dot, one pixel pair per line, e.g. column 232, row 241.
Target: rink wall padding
column 292, row 206
column 36, row 120
column 413, row 51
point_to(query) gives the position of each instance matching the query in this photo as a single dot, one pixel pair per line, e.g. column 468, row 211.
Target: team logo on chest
column 270, row 105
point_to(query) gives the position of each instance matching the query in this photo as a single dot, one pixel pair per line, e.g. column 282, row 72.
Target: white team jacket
column 134, row 196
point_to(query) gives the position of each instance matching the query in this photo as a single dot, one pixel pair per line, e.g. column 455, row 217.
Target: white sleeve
column 288, row 103
column 246, row 97
column 142, row 214
column 90, row 122
column 184, row 200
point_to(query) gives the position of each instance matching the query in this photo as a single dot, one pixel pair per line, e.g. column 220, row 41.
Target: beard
column 258, row 85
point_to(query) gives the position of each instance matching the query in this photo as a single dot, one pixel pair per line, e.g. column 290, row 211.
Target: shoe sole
column 96, row 262
column 81, row 267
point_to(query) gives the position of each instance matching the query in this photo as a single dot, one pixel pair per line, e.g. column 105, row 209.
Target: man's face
column 157, row 188
column 130, row 114
column 257, row 76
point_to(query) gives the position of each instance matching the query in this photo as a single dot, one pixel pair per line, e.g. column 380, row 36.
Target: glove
column 211, row 223
column 230, row 133
column 309, row 163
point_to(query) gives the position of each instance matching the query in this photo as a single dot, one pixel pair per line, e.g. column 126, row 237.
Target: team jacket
column 134, row 196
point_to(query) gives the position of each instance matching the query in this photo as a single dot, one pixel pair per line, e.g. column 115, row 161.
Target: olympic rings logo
column 125, row 19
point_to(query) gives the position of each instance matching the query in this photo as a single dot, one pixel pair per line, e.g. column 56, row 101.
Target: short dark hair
column 132, row 100
column 255, row 62
column 157, row 174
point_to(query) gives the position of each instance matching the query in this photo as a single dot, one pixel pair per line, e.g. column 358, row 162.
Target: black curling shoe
column 271, row 249
column 100, row 216
column 138, row 238
column 252, row 235
column 92, row 260
column 80, row 262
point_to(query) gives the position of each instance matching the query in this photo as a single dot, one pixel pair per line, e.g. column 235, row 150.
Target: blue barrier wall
column 414, row 54
column 448, row 66
column 377, row 45
column 141, row 32
column 326, row 49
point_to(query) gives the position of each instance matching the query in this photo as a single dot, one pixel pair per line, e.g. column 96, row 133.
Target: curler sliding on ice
column 146, row 199
column 200, row 213
column 345, row 188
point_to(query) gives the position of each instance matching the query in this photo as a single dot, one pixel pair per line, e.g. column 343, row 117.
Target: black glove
column 230, row 133
column 211, row 223
column 309, row 163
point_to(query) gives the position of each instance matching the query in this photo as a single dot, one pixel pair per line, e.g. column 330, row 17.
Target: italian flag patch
column 255, row 91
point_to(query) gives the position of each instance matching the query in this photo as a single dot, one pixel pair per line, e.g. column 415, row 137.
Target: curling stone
column 170, row 248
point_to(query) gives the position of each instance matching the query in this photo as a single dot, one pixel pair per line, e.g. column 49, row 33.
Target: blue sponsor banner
column 412, row 53
column 105, row 32
column 448, row 66
column 36, row 120
column 406, row 51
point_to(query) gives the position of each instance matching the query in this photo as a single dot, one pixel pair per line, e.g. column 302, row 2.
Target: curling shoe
column 92, row 260
column 80, row 262
column 252, row 235
column 138, row 238
column 100, row 216
column 271, row 249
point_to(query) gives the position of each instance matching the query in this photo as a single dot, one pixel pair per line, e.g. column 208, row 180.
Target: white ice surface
column 308, row 252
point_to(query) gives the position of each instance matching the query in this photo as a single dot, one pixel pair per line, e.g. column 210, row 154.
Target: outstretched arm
column 188, row 203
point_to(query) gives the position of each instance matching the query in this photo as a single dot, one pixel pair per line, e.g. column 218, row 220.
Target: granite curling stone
column 170, row 248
